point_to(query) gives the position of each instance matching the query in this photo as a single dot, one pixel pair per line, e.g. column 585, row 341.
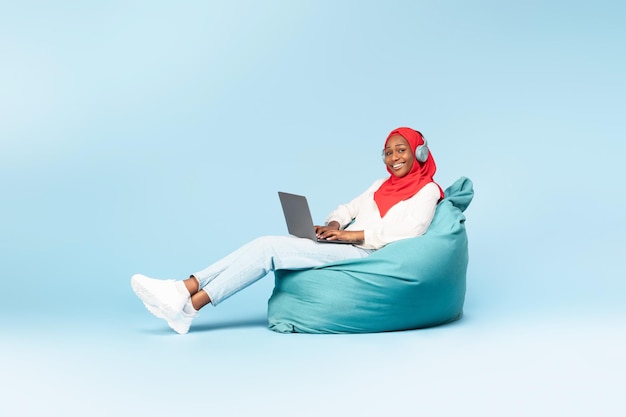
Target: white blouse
column 408, row 218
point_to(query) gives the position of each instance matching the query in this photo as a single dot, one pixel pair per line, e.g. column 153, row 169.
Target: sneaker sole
column 162, row 311
column 178, row 327
column 159, row 310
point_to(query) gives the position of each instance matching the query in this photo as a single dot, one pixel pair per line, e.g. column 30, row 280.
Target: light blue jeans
column 256, row 259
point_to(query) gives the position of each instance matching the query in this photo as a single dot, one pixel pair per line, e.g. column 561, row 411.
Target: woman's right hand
column 319, row 230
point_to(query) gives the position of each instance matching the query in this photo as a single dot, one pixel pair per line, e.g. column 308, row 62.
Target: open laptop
column 298, row 218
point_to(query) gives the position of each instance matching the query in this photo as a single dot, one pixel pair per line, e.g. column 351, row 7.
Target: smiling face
column 399, row 156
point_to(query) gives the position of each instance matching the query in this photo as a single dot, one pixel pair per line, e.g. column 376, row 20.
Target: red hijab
column 397, row 189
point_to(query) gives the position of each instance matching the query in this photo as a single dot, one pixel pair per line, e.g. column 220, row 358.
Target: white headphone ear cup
column 421, row 152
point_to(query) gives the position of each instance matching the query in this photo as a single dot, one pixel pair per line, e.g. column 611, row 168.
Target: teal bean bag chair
column 408, row 284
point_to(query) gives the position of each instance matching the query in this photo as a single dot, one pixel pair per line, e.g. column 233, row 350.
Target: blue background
column 152, row 136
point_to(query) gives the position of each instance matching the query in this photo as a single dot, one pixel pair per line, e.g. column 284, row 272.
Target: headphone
column 421, row 152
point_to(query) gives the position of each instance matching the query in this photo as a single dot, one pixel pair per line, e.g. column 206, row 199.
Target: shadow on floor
column 231, row 324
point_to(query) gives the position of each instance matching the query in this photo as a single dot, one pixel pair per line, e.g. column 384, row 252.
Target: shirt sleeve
column 344, row 214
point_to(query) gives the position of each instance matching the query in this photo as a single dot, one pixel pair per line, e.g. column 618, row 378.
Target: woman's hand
column 319, row 230
column 331, row 232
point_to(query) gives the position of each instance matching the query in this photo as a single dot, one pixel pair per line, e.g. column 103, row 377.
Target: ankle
column 200, row 299
column 192, row 284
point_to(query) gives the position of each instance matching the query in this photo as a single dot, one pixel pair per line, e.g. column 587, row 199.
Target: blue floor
column 123, row 362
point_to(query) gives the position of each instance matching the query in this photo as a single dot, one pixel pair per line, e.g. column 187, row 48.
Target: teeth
column 396, row 166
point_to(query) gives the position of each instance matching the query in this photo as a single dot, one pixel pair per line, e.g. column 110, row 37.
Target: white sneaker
column 161, row 297
column 181, row 322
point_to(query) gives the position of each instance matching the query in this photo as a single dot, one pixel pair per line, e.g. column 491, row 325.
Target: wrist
column 334, row 224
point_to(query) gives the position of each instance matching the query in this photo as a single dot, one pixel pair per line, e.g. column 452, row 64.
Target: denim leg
column 256, row 259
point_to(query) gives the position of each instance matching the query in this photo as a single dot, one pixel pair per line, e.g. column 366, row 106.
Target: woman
column 398, row 207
